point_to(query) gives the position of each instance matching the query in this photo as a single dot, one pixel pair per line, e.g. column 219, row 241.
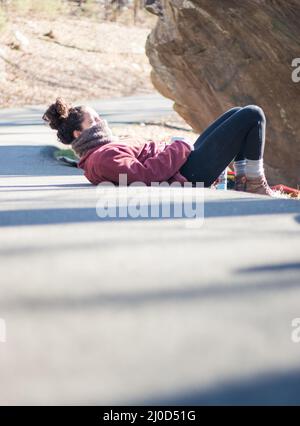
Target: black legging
column 237, row 134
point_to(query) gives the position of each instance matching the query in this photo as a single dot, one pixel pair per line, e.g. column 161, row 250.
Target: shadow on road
column 275, row 388
column 32, row 160
column 272, row 268
column 187, row 292
column 53, row 187
column 212, row 209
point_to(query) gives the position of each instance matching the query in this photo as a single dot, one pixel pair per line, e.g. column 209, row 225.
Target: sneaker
column 240, row 183
column 258, row 185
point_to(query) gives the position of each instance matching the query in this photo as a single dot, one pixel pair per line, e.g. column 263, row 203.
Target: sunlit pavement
column 139, row 311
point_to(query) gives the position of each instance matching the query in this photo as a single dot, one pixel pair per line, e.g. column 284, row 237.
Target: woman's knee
column 234, row 110
column 255, row 112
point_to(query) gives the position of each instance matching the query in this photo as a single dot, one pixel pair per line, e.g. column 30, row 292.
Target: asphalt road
column 106, row 311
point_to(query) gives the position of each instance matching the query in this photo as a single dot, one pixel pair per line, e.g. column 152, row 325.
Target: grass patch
column 49, row 8
column 91, row 9
column 3, row 19
column 69, row 153
column 66, row 157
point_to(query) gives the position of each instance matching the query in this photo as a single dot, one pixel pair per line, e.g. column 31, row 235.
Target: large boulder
column 210, row 55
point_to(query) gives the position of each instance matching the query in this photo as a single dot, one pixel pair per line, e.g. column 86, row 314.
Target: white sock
column 239, row 167
column 254, row 168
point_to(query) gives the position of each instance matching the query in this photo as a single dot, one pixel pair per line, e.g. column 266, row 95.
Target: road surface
column 139, row 311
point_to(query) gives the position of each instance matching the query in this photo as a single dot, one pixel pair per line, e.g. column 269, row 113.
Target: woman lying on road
column 237, row 135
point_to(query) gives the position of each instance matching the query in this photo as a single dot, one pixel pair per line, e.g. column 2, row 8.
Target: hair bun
column 57, row 113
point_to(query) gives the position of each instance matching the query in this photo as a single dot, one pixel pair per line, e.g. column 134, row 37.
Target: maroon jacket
column 147, row 162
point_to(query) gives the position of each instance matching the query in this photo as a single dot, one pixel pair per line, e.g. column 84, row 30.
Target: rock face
column 210, row 55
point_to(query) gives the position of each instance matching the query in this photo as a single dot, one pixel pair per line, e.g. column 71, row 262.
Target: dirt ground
column 81, row 59
column 77, row 58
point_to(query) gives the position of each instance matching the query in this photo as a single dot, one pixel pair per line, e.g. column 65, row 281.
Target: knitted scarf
column 94, row 137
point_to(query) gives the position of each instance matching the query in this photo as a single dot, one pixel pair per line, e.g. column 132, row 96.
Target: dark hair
column 65, row 119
